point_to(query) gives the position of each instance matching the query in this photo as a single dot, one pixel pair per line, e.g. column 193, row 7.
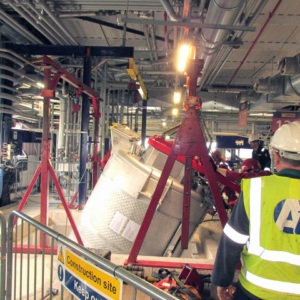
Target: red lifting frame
column 189, row 142
column 45, row 167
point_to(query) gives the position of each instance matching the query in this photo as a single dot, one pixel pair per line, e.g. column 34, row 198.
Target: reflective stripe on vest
column 254, row 246
column 275, row 285
column 234, row 235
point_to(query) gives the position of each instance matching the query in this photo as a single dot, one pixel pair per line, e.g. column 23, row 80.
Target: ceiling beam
column 118, row 27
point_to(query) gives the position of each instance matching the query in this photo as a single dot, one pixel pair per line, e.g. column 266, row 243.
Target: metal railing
column 3, row 255
column 31, row 269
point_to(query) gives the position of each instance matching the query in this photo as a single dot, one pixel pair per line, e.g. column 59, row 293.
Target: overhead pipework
column 219, row 12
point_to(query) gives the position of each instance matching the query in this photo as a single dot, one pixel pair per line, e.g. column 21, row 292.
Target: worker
column 218, row 158
column 264, row 229
column 250, row 168
column 259, row 153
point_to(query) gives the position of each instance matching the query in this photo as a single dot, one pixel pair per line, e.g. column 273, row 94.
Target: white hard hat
column 287, row 139
column 253, row 137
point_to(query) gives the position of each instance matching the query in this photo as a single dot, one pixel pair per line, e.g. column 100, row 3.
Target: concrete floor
column 202, row 248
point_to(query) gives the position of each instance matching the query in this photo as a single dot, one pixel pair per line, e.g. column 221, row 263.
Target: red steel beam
column 30, row 187
column 45, row 150
column 168, row 264
column 71, row 79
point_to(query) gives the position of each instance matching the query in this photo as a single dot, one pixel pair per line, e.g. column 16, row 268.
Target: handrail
column 116, row 271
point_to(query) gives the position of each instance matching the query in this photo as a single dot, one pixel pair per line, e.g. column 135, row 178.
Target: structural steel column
column 84, row 131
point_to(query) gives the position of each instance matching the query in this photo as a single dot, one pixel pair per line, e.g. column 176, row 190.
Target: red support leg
column 65, row 204
column 186, row 203
column 151, row 209
column 71, row 205
column 31, row 185
column 45, row 151
column 189, row 142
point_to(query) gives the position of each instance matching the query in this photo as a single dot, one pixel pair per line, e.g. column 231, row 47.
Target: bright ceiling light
column 175, row 111
column 182, row 57
column 40, row 84
column 164, row 124
column 177, row 97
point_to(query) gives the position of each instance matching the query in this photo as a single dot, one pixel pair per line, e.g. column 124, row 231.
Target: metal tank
column 118, row 203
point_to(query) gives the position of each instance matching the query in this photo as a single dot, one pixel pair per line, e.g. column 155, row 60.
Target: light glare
column 183, row 55
column 175, row 111
column 177, row 97
column 40, row 84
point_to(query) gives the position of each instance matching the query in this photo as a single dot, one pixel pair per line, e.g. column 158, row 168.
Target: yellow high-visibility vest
column 271, row 256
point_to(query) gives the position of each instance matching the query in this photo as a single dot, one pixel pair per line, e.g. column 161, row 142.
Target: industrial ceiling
column 235, row 58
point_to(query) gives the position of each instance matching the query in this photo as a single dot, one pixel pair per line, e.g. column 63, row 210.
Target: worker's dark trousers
column 241, row 294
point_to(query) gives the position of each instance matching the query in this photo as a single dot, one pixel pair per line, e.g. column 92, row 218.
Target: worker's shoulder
column 256, row 174
column 263, row 150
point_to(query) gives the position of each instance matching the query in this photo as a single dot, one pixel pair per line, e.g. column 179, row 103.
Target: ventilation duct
column 289, row 65
column 284, row 86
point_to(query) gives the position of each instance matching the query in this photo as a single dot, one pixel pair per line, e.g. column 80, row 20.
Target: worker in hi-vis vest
column 264, row 229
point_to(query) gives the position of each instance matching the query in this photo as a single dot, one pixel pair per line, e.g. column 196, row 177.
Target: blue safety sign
column 80, row 289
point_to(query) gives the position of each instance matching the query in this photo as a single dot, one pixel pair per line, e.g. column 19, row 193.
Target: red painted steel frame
column 45, row 167
column 165, row 147
column 33, row 249
column 169, row 264
column 64, row 202
column 186, row 202
column 189, row 142
column 72, row 80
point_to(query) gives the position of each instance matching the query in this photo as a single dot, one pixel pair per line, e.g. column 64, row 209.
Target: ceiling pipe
column 27, row 62
column 255, row 41
column 57, row 21
column 169, row 10
column 10, row 97
column 53, row 31
column 16, row 61
column 223, row 12
column 10, row 78
column 153, row 40
column 222, row 62
column 146, row 33
column 200, row 15
column 10, row 88
column 17, row 27
column 32, row 21
column 48, row 29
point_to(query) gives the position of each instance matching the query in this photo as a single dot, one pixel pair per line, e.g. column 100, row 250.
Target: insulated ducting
column 219, row 12
column 289, row 65
column 279, row 87
column 267, row 85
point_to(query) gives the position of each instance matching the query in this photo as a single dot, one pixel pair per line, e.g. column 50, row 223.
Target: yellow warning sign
column 61, row 256
column 102, row 281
